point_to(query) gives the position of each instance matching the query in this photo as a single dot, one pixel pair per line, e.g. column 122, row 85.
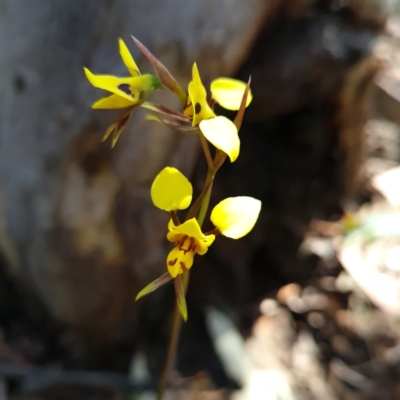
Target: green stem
column 206, row 198
column 173, row 343
column 206, row 149
column 194, row 210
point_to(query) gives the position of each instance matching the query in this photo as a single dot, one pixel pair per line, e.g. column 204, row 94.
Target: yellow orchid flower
column 126, row 92
column 233, row 217
column 218, row 130
column 189, row 240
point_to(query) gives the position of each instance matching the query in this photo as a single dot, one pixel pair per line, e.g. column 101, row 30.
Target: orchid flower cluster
column 171, row 191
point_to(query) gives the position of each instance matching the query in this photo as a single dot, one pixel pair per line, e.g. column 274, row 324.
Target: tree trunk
column 79, row 219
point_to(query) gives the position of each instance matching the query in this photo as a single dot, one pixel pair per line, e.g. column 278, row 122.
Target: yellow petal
column 180, row 297
column 228, row 93
column 191, row 228
column 203, row 245
column 128, row 59
column 171, row 190
column 198, row 97
column 188, row 108
column 223, row 134
column 236, row 216
column 113, row 101
column 128, row 88
column 173, row 266
column 151, row 287
column 181, row 257
column 173, row 236
column 171, row 226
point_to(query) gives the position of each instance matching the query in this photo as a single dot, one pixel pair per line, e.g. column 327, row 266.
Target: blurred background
column 306, row 307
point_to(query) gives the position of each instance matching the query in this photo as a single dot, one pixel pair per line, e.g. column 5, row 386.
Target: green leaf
column 180, row 296
column 151, row 287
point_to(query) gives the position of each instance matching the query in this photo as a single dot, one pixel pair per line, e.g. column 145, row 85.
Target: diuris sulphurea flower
column 233, row 217
column 126, row 92
column 220, row 131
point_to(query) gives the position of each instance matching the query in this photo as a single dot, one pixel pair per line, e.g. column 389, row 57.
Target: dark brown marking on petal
column 181, row 243
column 125, row 88
column 188, row 103
column 197, row 108
column 190, row 248
column 171, row 263
column 183, row 267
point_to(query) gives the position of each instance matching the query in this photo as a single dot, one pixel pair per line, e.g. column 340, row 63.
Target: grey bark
column 78, row 224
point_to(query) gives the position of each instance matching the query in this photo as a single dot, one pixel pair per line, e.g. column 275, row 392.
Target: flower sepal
column 166, row 78
column 177, row 127
column 151, row 287
column 243, row 104
column 165, row 111
column 118, row 126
